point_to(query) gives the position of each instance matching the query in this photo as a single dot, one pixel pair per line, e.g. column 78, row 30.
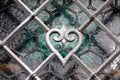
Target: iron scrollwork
column 63, row 36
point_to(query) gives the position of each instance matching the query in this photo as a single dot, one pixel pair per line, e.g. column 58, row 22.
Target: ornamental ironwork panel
column 59, row 39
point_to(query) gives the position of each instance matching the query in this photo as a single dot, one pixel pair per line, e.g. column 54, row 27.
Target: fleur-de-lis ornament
column 64, row 36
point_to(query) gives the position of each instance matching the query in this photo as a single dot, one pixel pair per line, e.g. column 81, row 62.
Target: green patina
column 30, row 42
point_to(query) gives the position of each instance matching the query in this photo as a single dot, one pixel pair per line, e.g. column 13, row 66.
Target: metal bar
column 23, row 6
column 20, row 27
column 100, row 25
column 83, row 66
column 27, row 9
column 106, row 63
column 17, row 29
column 40, row 67
column 84, row 25
column 22, row 64
column 90, row 15
column 45, row 28
column 39, row 9
column 33, row 16
column 81, row 5
column 42, row 6
column 102, row 7
column 104, row 28
column 27, row 20
column 44, row 63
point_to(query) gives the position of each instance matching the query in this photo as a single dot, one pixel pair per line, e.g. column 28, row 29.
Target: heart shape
column 64, row 35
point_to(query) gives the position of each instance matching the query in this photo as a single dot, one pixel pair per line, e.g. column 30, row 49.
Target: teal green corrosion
column 30, row 41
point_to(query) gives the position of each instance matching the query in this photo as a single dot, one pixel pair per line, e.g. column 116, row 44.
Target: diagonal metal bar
column 98, row 22
column 42, row 6
column 96, row 13
column 104, row 28
column 33, row 16
column 39, row 9
column 93, row 17
column 83, row 66
column 20, row 62
column 89, row 14
column 106, row 63
column 82, row 6
column 40, row 22
column 17, row 29
column 23, row 6
column 102, row 7
column 84, row 25
column 43, row 64
column 27, row 9
column 27, row 20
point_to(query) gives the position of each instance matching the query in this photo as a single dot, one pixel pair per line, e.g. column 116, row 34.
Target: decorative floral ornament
column 64, row 35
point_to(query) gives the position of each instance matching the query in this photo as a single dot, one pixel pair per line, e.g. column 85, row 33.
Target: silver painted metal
column 39, row 9
column 20, row 27
column 83, row 65
column 22, row 64
column 27, row 20
column 63, row 36
column 105, row 64
column 42, row 65
column 102, row 26
column 91, row 16
column 108, row 32
column 17, row 29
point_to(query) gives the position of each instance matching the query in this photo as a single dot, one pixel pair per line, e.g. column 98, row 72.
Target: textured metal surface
column 64, row 37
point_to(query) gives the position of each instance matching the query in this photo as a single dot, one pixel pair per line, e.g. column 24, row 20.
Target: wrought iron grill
column 63, row 35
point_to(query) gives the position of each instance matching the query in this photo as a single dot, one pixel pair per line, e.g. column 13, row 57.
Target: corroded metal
column 64, row 35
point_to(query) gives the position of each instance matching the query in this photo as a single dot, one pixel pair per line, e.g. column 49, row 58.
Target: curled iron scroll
column 66, row 36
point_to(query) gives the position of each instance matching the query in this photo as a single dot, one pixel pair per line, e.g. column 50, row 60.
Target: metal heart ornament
column 63, row 36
